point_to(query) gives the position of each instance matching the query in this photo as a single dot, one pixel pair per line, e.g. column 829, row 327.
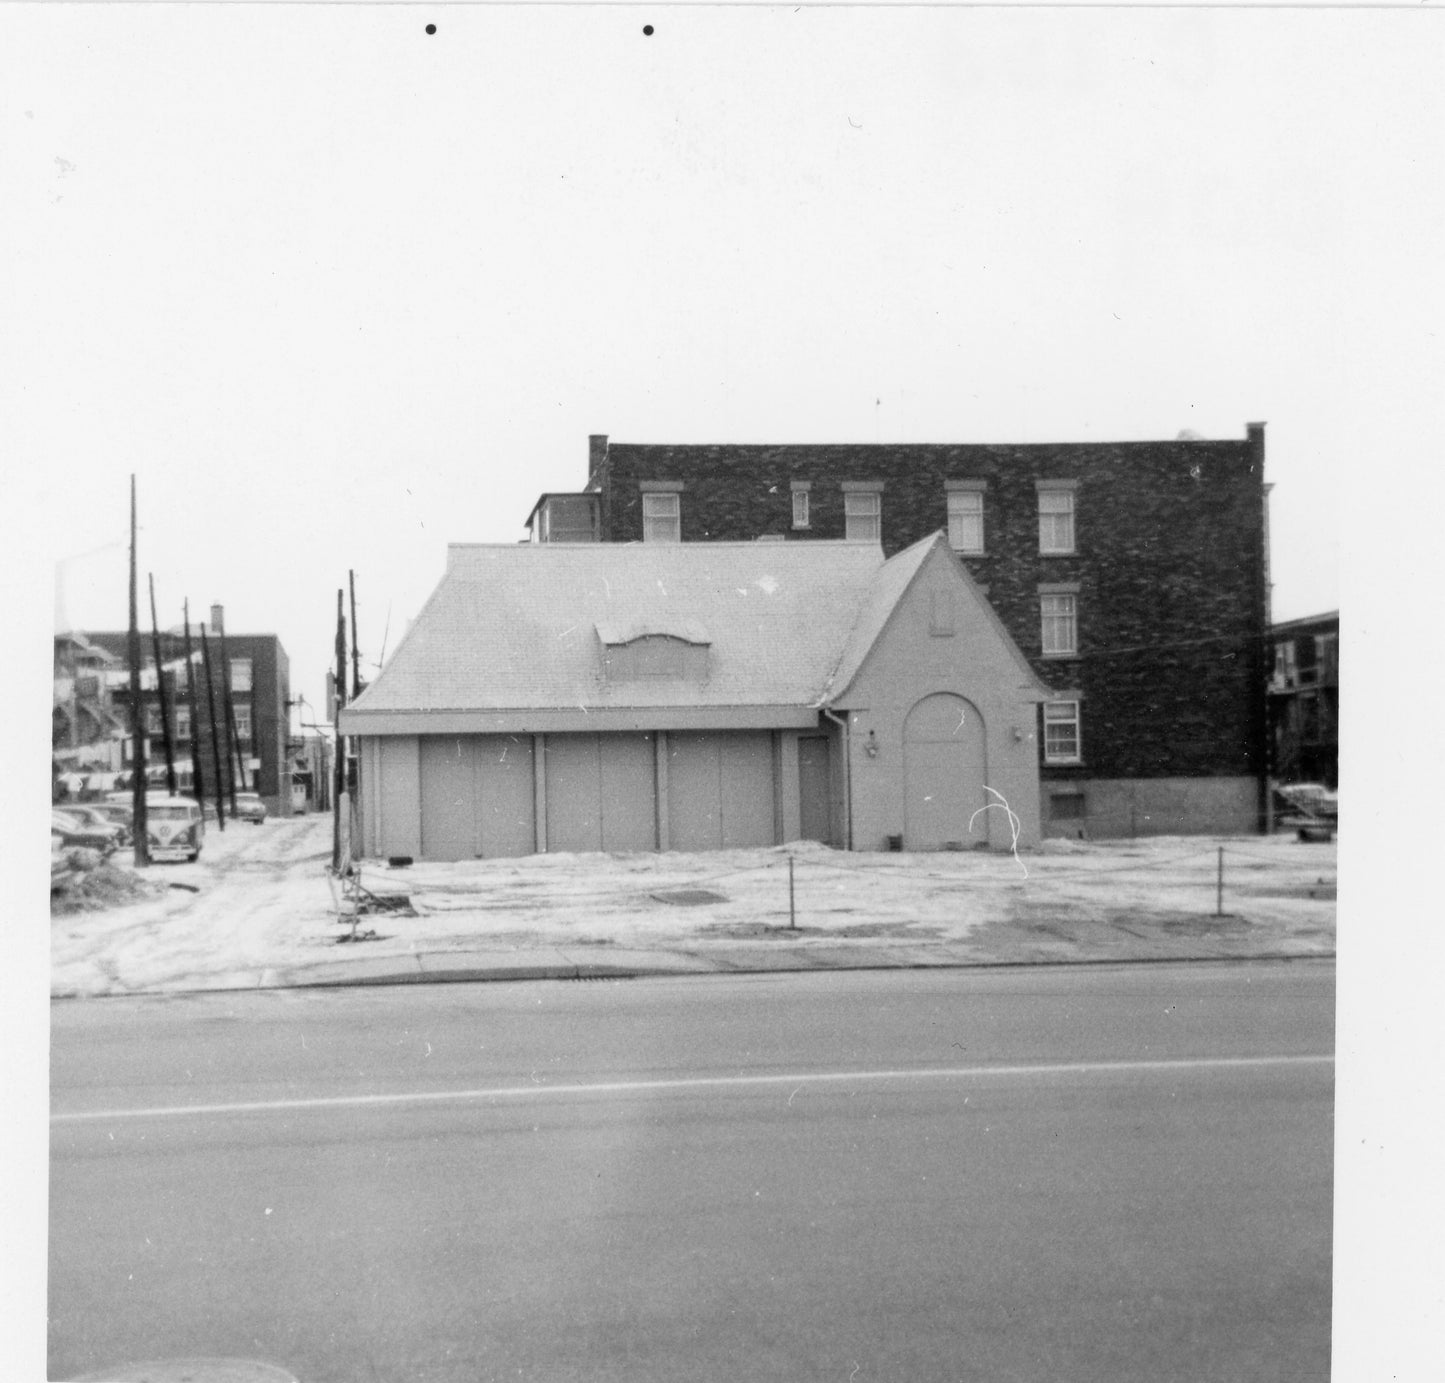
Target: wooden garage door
column 477, row 797
column 943, row 774
column 601, row 792
column 720, row 790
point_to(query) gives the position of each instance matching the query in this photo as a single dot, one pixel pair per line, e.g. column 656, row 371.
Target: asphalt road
column 1067, row 1174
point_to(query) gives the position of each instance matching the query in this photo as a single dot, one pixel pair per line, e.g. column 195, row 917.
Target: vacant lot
column 260, row 900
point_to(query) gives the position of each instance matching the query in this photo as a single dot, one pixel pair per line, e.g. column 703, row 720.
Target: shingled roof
column 523, row 626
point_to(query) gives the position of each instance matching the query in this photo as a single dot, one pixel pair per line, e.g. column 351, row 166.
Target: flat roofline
column 691, row 545
column 937, row 446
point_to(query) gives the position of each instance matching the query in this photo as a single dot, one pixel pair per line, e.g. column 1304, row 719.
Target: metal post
column 792, row 915
column 1219, row 887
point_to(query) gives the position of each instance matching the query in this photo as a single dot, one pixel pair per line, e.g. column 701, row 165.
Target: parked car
column 1310, row 810
column 174, row 827
column 76, row 831
column 98, row 815
column 250, row 807
column 118, row 812
column 1311, row 799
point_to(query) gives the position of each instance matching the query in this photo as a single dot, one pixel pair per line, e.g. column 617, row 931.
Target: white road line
column 641, row 1087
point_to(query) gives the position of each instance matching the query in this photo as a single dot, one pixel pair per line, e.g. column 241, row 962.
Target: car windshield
column 164, row 812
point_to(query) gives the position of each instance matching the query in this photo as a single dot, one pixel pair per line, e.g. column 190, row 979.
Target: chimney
column 218, row 619
column 596, row 454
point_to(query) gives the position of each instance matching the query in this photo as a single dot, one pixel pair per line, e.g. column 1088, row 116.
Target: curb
column 483, row 975
column 275, row 980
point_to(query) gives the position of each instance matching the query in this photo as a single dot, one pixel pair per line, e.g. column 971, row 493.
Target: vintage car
column 75, row 831
column 174, row 827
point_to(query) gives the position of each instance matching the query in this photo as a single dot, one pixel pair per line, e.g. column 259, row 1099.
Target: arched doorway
column 944, row 771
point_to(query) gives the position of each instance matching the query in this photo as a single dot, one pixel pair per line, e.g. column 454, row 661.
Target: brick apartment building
column 1133, row 576
column 260, row 679
column 1304, row 700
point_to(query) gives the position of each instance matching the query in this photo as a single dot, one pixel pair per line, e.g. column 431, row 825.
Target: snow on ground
column 263, row 901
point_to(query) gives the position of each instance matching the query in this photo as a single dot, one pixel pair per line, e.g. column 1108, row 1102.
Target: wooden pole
column 355, row 650
column 139, row 824
column 233, row 739
column 211, row 716
column 198, row 780
column 338, row 786
column 161, row 685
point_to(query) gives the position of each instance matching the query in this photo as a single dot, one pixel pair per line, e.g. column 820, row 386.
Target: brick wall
column 1169, row 564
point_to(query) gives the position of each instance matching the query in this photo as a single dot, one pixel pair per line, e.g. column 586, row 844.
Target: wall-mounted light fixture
column 870, row 745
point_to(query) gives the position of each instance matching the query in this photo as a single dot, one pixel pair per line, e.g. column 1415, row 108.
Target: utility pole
column 137, row 709
column 355, row 650
column 161, row 685
column 198, row 785
column 215, row 747
column 339, row 779
column 233, row 740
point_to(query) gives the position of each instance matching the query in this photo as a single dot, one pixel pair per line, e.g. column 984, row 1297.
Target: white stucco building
column 626, row 697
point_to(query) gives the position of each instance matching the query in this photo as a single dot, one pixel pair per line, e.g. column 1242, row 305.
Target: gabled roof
column 884, row 593
column 889, row 587
column 516, row 627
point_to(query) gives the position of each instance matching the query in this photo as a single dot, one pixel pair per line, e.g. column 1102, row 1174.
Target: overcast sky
column 339, row 292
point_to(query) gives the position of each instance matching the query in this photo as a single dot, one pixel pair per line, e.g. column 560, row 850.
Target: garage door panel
column 628, row 792
column 399, row 786
column 448, row 797
column 694, row 812
column 574, row 819
column 507, row 808
column 720, row 790
column 746, row 785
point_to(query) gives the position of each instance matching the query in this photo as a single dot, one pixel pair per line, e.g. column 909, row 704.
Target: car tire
column 194, row 856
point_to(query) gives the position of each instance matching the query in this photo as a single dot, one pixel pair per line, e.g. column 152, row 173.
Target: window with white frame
column 800, row 509
column 243, row 724
column 1059, row 621
column 1056, row 520
column 661, row 518
column 1061, row 732
column 863, row 516
column 965, row 520
column 183, row 722
column 240, row 674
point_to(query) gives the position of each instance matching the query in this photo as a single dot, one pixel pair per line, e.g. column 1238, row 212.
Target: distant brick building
column 1133, row 576
column 260, row 676
column 1304, row 700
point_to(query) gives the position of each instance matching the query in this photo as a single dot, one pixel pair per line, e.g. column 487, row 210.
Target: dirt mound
column 101, row 886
